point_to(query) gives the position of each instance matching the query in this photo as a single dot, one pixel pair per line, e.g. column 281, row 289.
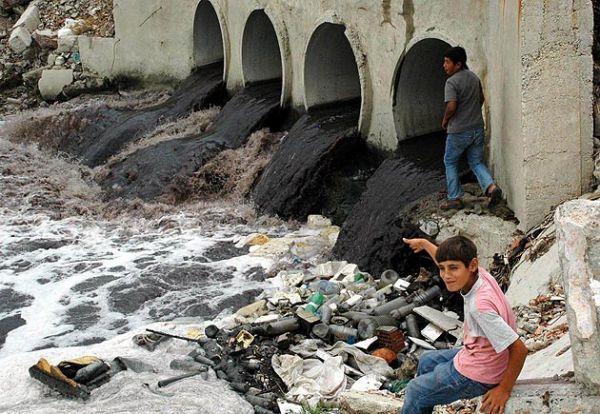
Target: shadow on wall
column 208, row 37
column 261, row 55
column 419, row 89
column 330, row 69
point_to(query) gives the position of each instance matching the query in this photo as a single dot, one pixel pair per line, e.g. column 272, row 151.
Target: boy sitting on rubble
column 492, row 356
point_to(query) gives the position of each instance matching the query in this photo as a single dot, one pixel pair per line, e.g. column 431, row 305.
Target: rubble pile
column 544, row 321
column 39, row 55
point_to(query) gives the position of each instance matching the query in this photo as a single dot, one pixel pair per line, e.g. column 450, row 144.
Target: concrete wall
column 534, row 59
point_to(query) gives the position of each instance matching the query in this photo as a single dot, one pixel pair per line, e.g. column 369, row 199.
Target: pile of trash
column 39, row 53
column 320, row 335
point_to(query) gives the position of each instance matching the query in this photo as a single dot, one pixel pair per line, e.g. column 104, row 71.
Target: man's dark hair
column 456, row 248
column 457, row 54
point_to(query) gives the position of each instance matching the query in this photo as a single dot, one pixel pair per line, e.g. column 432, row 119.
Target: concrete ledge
column 547, row 396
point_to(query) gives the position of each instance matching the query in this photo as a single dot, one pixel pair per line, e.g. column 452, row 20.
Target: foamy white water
column 127, row 391
column 78, row 280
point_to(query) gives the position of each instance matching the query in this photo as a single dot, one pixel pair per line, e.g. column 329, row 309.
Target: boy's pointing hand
column 416, row 245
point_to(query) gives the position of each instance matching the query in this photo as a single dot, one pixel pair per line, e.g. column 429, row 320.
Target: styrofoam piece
column 421, row 343
column 401, row 285
column 364, row 345
column 266, row 318
column 432, row 332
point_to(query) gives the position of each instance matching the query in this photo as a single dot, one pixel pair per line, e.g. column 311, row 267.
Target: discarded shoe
column 495, row 197
column 149, row 341
column 53, row 377
column 452, row 205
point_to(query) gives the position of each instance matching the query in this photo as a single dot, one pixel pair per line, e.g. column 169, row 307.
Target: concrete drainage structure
column 534, row 59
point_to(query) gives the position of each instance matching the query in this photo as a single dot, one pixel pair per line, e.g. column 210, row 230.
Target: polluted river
column 171, row 211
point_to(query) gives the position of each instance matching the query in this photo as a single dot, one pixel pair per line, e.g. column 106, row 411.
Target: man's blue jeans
column 438, row 382
column 471, row 142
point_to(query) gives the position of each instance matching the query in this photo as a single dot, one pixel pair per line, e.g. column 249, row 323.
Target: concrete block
column 534, row 397
column 30, row 19
column 530, row 279
column 490, row 234
column 557, row 359
column 20, row 39
column 98, row 55
column 53, row 81
column 578, row 236
column 355, row 402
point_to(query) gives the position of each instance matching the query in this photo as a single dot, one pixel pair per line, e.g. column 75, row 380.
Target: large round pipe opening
column 261, row 55
column 419, row 89
column 208, row 39
column 330, row 71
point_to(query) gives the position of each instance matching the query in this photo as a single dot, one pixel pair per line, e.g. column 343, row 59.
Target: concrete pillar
column 578, row 236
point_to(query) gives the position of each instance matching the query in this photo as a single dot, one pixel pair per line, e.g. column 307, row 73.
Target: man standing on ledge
column 463, row 121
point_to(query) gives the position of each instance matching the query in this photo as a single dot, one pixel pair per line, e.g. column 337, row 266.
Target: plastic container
column 328, row 288
column 368, row 326
column 412, row 327
column 320, row 330
column 343, row 332
column 388, row 277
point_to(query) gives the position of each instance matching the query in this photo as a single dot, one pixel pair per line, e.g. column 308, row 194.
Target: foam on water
column 90, row 279
column 76, row 271
column 126, row 392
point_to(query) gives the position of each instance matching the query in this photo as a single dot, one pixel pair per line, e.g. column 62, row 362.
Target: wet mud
column 112, row 129
column 319, row 168
column 372, row 234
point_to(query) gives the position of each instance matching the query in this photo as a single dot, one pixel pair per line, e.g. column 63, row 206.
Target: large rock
column 556, row 359
column 20, row 39
column 533, row 278
column 578, row 236
column 30, row 19
column 490, row 234
column 53, row 81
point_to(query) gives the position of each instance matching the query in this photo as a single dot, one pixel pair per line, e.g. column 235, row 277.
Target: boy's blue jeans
column 438, row 382
column 471, row 142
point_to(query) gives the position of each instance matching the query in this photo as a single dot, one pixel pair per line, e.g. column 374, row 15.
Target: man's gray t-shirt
column 464, row 87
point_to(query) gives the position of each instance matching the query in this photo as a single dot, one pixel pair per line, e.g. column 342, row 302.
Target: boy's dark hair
column 456, row 248
column 457, row 54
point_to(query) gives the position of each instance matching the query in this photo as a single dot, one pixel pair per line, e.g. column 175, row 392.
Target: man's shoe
column 452, row 205
column 495, row 197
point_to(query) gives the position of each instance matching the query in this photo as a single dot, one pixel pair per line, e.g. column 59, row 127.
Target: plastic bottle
column 328, row 288
column 187, row 364
column 328, row 308
column 343, row 332
column 315, row 302
column 320, row 330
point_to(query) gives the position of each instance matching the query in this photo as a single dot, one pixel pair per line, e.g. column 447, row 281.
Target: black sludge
column 167, row 166
column 372, row 235
column 113, row 129
column 309, row 167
